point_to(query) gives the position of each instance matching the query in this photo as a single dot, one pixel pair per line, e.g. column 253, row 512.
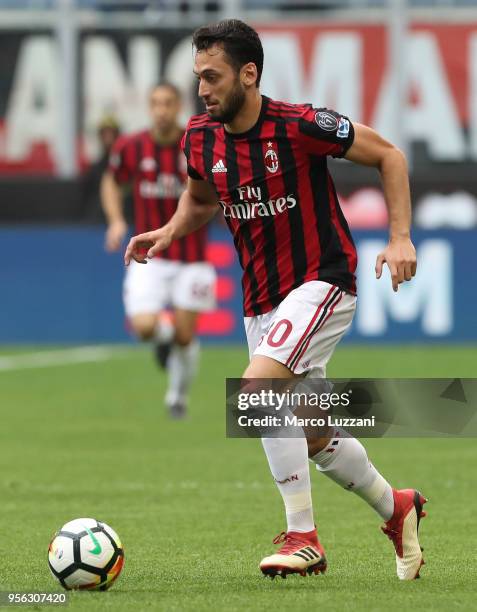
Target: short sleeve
column 325, row 132
column 188, row 149
column 119, row 160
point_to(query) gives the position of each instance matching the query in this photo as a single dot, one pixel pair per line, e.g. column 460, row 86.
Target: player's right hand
column 155, row 241
column 115, row 235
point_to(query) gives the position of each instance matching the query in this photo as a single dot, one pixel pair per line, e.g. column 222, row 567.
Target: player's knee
column 183, row 337
column 143, row 328
column 144, row 333
column 316, row 445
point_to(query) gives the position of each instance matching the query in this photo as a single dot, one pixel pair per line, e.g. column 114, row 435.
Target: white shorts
column 149, row 288
column 303, row 330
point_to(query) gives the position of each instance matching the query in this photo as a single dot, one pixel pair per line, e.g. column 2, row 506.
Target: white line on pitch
column 61, row 357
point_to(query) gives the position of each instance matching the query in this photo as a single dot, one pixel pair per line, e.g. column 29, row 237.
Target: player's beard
column 232, row 104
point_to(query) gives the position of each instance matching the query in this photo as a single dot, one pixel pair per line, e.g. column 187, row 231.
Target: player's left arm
column 370, row 149
column 197, row 205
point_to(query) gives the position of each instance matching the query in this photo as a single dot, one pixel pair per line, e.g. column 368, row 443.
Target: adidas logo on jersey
column 219, row 167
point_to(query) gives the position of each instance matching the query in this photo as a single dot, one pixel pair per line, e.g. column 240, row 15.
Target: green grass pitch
column 196, row 512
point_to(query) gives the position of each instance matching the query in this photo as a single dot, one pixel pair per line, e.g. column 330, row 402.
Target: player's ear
column 249, row 74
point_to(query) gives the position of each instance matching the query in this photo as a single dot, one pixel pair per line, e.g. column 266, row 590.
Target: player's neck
column 248, row 115
column 166, row 137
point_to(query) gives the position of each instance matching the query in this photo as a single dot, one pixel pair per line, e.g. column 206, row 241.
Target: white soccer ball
column 86, row 554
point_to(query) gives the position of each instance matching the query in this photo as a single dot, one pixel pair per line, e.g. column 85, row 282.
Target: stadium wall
column 42, row 200
column 59, row 286
column 341, row 64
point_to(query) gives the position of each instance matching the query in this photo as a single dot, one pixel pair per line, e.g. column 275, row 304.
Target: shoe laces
column 281, row 537
column 291, row 542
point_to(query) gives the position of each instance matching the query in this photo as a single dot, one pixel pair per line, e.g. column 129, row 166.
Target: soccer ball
column 86, row 554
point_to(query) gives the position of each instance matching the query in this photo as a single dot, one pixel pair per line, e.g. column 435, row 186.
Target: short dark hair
column 175, row 90
column 239, row 41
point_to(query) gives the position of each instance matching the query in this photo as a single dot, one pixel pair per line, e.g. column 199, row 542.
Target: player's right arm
column 197, row 205
column 112, row 203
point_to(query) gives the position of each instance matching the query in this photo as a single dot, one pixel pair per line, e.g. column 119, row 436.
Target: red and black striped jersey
column 157, row 174
column 278, row 197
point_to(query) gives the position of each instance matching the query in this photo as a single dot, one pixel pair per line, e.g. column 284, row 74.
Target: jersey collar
column 255, row 129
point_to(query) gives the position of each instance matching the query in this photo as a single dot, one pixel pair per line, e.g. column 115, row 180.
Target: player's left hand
column 153, row 242
column 400, row 256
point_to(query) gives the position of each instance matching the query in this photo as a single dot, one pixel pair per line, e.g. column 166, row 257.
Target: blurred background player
column 152, row 161
column 108, row 131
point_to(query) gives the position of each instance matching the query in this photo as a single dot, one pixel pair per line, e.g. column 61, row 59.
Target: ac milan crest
column 271, row 159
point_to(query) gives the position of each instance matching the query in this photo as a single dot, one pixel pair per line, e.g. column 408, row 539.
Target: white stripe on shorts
column 314, row 325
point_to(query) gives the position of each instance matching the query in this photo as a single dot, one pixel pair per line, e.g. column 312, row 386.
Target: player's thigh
column 194, row 287
column 147, row 287
column 185, row 322
column 306, row 327
column 255, row 328
column 266, row 367
column 261, row 366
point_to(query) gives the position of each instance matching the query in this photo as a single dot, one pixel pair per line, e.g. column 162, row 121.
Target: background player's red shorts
column 303, row 330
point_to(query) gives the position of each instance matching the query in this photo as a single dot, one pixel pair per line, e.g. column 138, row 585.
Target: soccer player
column 178, row 276
column 108, row 131
column 264, row 163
